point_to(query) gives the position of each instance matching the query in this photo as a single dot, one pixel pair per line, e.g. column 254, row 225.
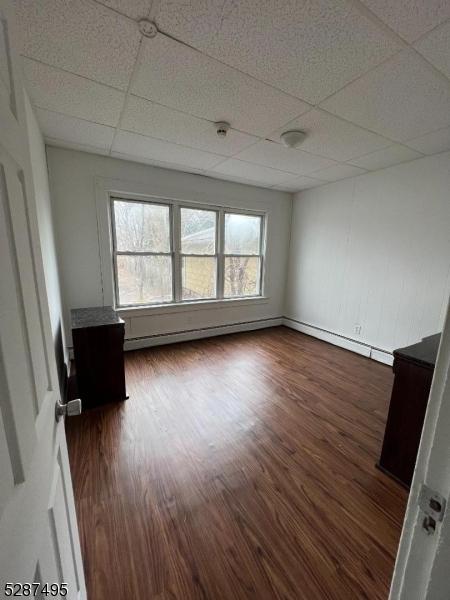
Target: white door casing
column 422, row 567
column 38, row 530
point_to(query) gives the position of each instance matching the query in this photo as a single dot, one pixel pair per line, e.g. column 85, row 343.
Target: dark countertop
column 94, row 317
column 423, row 353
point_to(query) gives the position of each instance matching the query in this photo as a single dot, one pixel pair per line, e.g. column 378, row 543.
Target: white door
column 38, row 530
column 423, row 560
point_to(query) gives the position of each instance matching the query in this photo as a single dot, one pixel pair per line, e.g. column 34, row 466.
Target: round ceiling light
column 293, row 138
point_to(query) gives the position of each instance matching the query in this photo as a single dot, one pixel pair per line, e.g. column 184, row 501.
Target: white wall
column 74, row 178
column 374, row 251
column 47, row 238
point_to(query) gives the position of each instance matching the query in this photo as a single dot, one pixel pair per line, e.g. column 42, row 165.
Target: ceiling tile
column 133, row 144
column 431, row 143
column 147, row 118
column 401, row 99
column 301, row 183
column 338, row 172
column 242, row 171
column 61, row 127
column 332, row 137
column 277, row 156
column 80, row 36
column 75, row 96
column 410, row 18
column 436, row 47
column 157, row 163
column 235, row 179
column 135, row 9
column 308, row 49
column 386, row 157
column 57, row 143
column 175, row 75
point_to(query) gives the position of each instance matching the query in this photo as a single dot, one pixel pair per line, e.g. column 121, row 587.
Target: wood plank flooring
column 241, row 467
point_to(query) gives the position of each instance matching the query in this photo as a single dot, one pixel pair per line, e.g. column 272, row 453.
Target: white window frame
column 260, row 255
column 175, row 206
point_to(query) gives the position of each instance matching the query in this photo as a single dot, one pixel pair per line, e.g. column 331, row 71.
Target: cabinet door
column 405, row 419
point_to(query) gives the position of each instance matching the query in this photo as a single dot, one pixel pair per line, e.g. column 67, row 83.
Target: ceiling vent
column 293, row 138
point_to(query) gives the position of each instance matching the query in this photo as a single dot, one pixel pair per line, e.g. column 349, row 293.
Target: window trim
column 261, row 255
column 215, row 255
column 116, row 253
column 175, row 206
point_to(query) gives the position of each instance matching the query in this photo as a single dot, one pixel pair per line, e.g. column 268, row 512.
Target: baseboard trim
column 197, row 334
column 336, row 339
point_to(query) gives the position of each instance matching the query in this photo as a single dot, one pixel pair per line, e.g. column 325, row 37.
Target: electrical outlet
column 358, row 329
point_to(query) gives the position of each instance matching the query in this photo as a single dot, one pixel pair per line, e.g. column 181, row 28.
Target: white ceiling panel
column 80, row 36
column 56, row 126
column 133, row 144
column 410, row 18
column 332, row 137
column 436, row 47
column 387, row 157
column 147, row 118
column 243, row 171
column 431, row 143
column 298, row 184
column 157, row 163
column 177, row 76
column 401, row 99
column 69, row 94
column 308, row 49
column 338, row 172
column 135, row 9
column 57, row 143
column 277, row 156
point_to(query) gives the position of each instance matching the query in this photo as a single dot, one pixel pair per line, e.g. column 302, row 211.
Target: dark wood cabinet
column 413, row 369
column 98, row 337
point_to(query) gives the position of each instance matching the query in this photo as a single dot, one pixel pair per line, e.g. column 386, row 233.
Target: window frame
column 176, row 254
column 182, row 254
column 260, row 255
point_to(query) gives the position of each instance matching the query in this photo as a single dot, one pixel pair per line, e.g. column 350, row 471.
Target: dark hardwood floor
column 241, row 467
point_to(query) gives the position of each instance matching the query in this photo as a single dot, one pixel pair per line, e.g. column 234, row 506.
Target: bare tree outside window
column 198, row 249
column 165, row 253
column 242, row 255
column 144, row 262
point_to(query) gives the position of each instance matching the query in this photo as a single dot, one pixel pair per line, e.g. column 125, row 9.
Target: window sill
column 178, row 307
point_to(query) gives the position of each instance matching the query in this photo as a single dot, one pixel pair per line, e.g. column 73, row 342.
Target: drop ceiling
column 368, row 80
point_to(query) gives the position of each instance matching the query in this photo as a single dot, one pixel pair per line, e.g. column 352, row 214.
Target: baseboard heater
column 195, row 334
column 336, row 339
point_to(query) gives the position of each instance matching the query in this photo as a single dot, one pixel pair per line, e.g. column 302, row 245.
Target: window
column 242, row 255
column 170, row 252
column 198, row 254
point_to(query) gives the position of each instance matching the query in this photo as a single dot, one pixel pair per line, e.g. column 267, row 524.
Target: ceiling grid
column 341, row 70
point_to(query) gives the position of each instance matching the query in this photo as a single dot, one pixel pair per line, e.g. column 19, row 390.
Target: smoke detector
column 147, row 28
column 293, row 138
column 222, row 128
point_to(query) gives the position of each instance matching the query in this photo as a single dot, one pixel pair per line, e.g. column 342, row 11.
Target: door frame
column 421, row 569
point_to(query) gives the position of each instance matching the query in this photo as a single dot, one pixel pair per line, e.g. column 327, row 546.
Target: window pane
column 242, row 234
column 198, row 231
column 198, row 277
column 142, row 227
column 144, row 279
column 242, row 276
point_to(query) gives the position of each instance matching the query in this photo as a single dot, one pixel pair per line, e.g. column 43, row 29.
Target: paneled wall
column 75, row 178
column 370, row 256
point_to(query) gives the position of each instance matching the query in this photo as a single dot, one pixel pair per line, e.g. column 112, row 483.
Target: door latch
column 72, row 408
column 433, row 505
